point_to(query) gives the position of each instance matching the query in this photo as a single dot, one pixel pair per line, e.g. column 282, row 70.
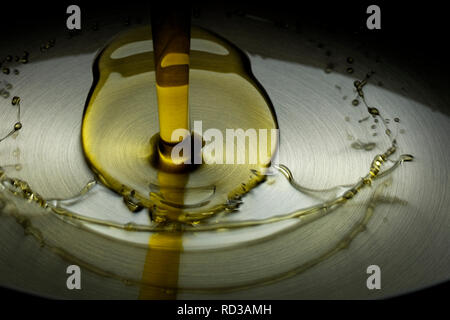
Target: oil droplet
column 407, row 157
column 350, row 60
column 24, row 58
column 358, row 145
column 355, row 102
column 18, row 167
column 9, row 58
column 49, row 44
column 18, row 126
column 5, row 70
column 396, row 119
column 349, row 70
column 369, row 146
column 373, row 111
column 15, row 100
column 16, row 72
column 132, row 204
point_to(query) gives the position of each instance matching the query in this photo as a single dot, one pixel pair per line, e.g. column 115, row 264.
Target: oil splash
column 165, row 287
column 375, row 172
column 56, row 208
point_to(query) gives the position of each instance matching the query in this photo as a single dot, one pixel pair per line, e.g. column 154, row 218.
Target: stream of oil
column 117, row 140
column 160, row 273
column 120, row 124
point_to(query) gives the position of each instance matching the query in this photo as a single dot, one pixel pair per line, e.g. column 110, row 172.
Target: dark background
column 416, row 30
column 416, row 33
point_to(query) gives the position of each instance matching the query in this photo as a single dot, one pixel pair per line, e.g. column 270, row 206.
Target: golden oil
column 130, row 106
